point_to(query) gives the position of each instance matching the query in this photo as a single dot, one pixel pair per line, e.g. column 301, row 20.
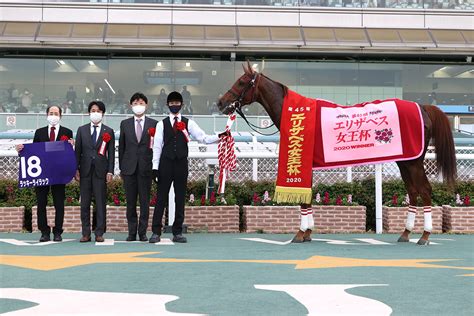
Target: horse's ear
column 245, row 69
column 251, row 71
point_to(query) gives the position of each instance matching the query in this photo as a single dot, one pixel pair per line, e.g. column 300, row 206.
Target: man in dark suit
column 135, row 155
column 95, row 154
column 53, row 132
column 170, row 163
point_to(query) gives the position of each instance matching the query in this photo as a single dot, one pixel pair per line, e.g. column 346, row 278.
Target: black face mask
column 175, row 108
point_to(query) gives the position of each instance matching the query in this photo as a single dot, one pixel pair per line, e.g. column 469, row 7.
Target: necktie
column 139, row 130
column 94, row 135
column 52, row 136
column 175, row 124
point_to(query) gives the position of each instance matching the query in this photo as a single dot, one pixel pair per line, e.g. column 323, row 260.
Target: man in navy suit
column 95, row 155
column 135, row 155
column 53, row 132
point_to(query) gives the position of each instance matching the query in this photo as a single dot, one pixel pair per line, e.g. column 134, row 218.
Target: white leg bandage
column 304, row 220
column 310, row 219
column 428, row 219
column 411, row 214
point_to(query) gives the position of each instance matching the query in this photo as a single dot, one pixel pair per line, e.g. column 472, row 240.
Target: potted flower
column 458, row 215
column 218, row 214
column 11, row 213
column 338, row 214
column 265, row 215
column 394, row 214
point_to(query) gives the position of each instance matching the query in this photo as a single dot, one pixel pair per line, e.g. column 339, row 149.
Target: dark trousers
column 58, row 192
column 137, row 185
column 176, row 171
column 91, row 185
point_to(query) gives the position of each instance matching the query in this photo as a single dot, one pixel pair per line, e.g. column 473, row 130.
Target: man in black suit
column 170, row 163
column 135, row 155
column 53, row 132
column 95, row 155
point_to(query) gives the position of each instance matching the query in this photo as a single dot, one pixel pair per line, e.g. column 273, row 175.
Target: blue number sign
column 46, row 164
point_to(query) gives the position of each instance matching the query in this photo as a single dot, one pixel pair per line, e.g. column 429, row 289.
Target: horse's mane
column 284, row 88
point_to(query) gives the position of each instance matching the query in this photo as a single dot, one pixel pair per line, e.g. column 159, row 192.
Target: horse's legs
column 405, row 171
column 416, row 184
column 425, row 192
column 310, row 219
column 305, row 223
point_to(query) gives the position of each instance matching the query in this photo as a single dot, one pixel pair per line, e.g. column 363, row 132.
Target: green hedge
column 363, row 193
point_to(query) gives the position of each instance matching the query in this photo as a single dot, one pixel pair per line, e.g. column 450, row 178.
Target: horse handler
column 170, row 163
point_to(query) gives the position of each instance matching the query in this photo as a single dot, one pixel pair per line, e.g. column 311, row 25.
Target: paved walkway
column 238, row 274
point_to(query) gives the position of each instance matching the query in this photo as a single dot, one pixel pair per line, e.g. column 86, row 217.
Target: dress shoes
column 131, row 238
column 99, row 239
column 143, row 238
column 154, row 239
column 85, row 238
column 45, row 238
column 57, row 237
column 179, row 239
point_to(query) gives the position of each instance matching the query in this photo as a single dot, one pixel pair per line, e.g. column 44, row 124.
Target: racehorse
column 253, row 86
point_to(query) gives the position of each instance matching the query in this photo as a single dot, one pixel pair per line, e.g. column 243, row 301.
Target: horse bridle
column 236, row 106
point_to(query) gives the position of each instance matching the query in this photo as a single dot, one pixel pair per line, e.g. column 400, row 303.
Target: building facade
column 68, row 53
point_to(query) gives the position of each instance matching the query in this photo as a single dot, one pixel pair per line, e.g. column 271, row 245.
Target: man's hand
column 77, row 176
column 109, row 177
column 19, row 147
column 225, row 133
column 154, row 175
column 71, row 141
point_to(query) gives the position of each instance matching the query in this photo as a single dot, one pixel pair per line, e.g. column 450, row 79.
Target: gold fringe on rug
column 292, row 195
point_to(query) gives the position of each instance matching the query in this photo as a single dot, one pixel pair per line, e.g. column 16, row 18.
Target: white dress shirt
column 99, row 125
column 56, row 130
column 194, row 131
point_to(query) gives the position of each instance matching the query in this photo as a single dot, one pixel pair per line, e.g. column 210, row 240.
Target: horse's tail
column 443, row 142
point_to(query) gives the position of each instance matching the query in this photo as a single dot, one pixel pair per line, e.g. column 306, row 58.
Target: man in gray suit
column 95, row 155
column 135, row 155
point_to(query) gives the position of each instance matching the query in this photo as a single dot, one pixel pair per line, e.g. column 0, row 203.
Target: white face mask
column 53, row 119
column 138, row 109
column 96, row 117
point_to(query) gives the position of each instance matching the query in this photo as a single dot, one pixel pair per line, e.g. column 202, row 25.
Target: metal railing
column 17, row 125
column 261, row 163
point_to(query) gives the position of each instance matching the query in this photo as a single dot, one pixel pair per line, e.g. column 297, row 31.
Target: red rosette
column 180, row 126
column 151, row 132
column 106, row 137
column 64, row 138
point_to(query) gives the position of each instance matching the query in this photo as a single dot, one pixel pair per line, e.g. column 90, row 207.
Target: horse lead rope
column 226, row 154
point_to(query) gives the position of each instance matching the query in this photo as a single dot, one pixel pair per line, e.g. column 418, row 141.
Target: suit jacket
column 86, row 153
column 135, row 154
column 41, row 134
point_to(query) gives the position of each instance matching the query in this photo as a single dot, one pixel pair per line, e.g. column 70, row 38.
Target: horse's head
column 241, row 93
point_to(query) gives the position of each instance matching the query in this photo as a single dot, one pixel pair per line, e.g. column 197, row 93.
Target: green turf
column 227, row 288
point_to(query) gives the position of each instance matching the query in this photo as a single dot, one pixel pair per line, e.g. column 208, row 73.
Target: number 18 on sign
column 31, row 168
column 47, row 163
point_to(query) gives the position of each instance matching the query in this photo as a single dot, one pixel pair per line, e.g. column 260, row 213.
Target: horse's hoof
column 403, row 239
column 423, row 242
column 296, row 240
column 307, row 235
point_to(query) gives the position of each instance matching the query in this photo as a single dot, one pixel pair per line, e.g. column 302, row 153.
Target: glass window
column 29, row 85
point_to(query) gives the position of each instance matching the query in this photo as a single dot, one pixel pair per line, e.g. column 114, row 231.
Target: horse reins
column 237, row 104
